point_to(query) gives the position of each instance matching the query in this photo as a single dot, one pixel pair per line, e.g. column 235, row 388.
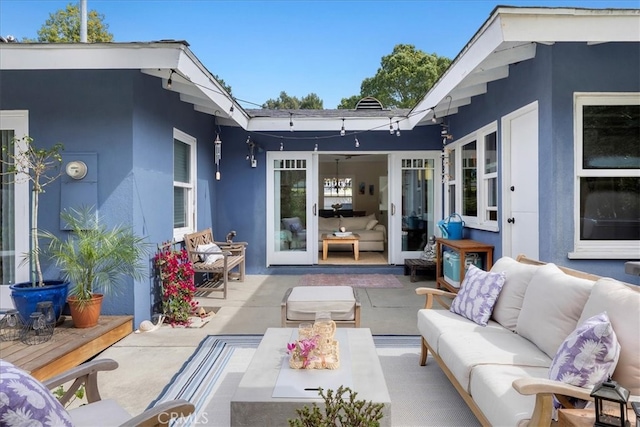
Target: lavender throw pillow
column 24, row 401
column 478, row 294
column 588, row 356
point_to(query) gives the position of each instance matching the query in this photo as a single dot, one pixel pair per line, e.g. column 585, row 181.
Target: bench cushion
column 622, row 304
column 492, row 391
column 509, row 303
column 464, row 351
column 105, row 413
column 305, row 301
column 553, row 299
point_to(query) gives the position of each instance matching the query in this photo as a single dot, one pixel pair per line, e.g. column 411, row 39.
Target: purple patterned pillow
column 587, row 356
column 478, row 294
column 25, row 401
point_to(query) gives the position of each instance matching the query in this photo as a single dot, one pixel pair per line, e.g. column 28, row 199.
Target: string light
column 170, row 81
column 315, row 148
column 390, row 126
column 342, row 131
column 281, row 146
column 291, row 122
column 357, row 143
column 397, row 128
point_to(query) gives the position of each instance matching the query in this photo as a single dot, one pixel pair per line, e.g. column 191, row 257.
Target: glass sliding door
column 415, row 206
column 14, row 204
column 291, row 214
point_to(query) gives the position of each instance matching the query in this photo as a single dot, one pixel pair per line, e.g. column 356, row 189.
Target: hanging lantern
column 46, row 308
column 36, row 330
column 611, row 404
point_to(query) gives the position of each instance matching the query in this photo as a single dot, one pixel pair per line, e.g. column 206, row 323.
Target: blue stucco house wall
column 552, row 78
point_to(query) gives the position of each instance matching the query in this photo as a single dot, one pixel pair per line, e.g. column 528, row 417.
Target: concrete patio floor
column 148, row 361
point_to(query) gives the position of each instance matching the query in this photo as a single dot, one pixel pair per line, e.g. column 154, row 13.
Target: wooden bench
column 233, row 256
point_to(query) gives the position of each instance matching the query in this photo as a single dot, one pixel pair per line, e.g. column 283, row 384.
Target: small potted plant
column 23, row 160
column 95, row 259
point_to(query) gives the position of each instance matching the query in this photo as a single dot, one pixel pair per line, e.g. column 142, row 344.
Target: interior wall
column 366, row 172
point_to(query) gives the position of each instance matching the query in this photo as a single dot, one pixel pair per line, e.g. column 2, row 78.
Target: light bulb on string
column 390, row 127
column 342, row 131
column 291, row 122
column 315, row 148
column 397, row 128
column 170, row 80
column 281, row 146
column 357, row 143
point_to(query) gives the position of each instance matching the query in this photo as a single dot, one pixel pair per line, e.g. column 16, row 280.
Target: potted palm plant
column 23, row 160
column 95, row 259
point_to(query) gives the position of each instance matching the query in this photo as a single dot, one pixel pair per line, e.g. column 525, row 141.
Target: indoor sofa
column 541, row 317
column 373, row 235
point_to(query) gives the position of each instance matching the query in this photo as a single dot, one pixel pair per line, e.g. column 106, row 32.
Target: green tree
column 63, row 26
column 402, row 80
column 286, row 102
column 223, row 83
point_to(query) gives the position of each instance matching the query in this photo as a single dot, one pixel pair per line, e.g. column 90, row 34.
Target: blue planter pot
column 25, row 296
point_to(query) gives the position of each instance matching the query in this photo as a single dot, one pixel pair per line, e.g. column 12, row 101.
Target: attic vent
column 369, row 103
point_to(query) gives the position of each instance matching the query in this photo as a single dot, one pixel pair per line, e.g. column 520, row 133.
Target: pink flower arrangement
column 303, row 350
column 176, row 275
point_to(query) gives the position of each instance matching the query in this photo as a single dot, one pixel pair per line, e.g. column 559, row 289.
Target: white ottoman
column 301, row 303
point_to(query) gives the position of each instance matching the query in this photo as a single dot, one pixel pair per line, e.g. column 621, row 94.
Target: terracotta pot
column 85, row 314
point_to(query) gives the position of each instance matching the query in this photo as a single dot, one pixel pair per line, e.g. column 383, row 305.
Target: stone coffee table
column 253, row 403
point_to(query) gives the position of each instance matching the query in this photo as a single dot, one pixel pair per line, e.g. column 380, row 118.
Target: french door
column 291, row 209
column 14, row 204
column 415, row 205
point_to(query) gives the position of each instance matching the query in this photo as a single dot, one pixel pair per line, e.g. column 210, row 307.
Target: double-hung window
column 472, row 178
column 607, row 183
column 184, row 184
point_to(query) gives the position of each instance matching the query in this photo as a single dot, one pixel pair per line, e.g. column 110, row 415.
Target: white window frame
column 455, row 151
column 191, row 208
column 601, row 249
column 18, row 121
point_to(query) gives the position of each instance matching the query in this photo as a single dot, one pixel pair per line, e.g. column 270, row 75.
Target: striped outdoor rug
column 420, row 395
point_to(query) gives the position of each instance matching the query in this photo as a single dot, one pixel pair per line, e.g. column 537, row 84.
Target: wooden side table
column 353, row 240
column 585, row 417
column 463, row 247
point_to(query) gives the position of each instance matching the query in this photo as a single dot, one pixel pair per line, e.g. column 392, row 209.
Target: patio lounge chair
column 107, row 412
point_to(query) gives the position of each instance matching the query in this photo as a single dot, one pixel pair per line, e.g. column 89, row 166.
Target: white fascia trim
column 478, row 49
column 351, row 124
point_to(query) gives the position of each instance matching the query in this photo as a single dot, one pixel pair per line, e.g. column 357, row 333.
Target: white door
column 415, row 182
column 520, row 183
column 14, row 199
column 291, row 213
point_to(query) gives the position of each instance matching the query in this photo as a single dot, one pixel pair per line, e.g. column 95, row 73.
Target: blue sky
column 263, row 47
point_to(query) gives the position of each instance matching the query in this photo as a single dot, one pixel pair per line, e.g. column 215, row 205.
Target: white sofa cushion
column 509, row 303
column 355, row 223
column 329, row 224
column 492, row 391
column 552, row 306
column 622, row 304
column 305, row 301
column 433, row 323
column 106, row 412
column 462, row 352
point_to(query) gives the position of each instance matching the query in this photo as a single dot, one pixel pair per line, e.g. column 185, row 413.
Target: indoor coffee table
column 352, row 239
column 253, row 403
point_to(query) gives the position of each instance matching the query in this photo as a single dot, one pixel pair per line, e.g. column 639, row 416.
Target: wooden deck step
column 69, row 346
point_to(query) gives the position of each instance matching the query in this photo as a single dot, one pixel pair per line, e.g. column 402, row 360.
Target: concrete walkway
column 148, row 361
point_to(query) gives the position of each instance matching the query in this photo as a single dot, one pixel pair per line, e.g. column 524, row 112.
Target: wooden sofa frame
column 233, row 256
column 543, row 389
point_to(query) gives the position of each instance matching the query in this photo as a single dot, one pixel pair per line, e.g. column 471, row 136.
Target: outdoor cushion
column 587, row 356
column 620, row 302
column 211, row 248
column 433, row 323
column 553, row 299
column 305, row 301
column 103, row 413
column 518, row 275
column 464, row 351
column 25, row 401
column 478, row 294
column 492, row 383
